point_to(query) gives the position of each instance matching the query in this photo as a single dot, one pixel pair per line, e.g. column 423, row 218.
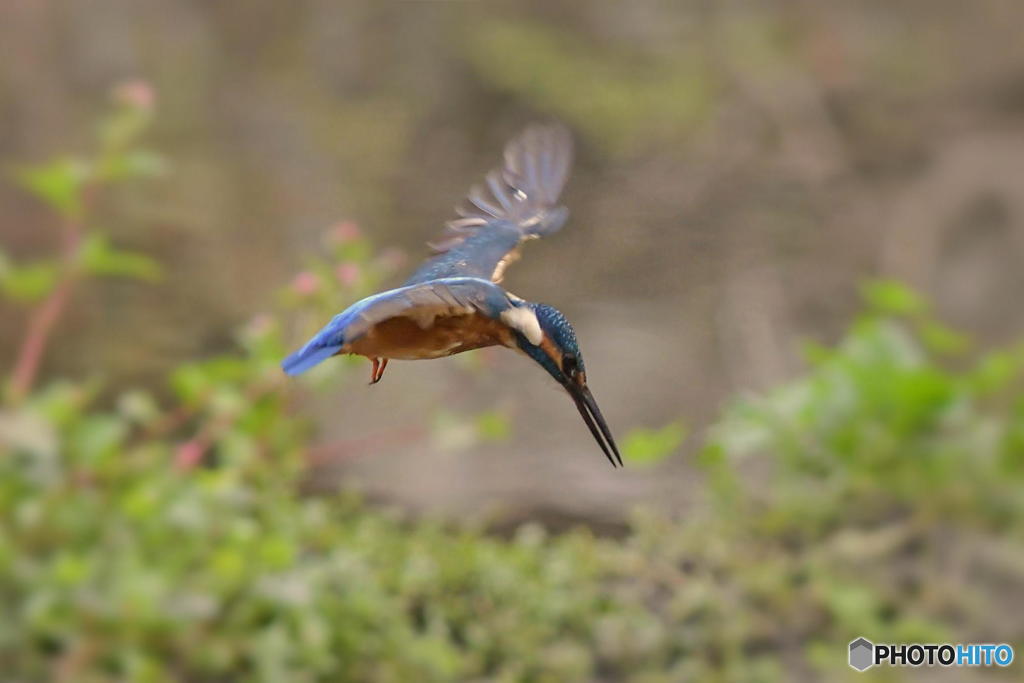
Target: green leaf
column 892, row 297
column 30, row 282
column 190, row 383
column 942, row 339
column 855, row 607
column 58, row 183
column 648, row 446
column 99, row 257
column 97, row 437
column 996, row 371
column 70, row 569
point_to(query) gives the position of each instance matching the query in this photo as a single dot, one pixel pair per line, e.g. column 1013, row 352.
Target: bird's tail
column 310, row 355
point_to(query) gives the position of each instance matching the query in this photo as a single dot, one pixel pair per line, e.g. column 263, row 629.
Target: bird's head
column 544, row 334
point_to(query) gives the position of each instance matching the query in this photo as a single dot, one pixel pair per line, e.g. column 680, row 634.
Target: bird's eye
column 569, row 364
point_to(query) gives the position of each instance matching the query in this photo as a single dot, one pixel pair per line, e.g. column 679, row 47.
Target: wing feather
column 479, row 201
column 518, row 201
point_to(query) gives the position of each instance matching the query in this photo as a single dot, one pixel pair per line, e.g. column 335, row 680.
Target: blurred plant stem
column 69, row 186
column 45, row 316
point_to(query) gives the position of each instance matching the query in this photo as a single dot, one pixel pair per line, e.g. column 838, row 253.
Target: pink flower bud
column 392, row 259
column 305, row 283
column 343, row 233
column 347, row 274
column 259, row 325
column 137, row 94
column 189, row 454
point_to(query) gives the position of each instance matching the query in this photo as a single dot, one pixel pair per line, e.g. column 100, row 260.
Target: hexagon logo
column 862, row 654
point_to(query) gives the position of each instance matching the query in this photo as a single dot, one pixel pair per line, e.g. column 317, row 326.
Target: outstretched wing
column 518, row 202
column 422, row 303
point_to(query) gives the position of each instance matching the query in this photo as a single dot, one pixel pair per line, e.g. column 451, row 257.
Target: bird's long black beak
column 587, row 406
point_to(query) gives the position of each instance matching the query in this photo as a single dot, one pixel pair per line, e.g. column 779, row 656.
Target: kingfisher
column 455, row 302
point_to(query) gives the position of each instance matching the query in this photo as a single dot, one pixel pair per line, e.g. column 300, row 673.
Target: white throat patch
column 523, row 318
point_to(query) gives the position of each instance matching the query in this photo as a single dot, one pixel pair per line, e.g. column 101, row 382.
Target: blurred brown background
column 741, row 168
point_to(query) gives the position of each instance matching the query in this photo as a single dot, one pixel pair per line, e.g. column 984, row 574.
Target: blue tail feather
column 308, row 356
column 324, row 344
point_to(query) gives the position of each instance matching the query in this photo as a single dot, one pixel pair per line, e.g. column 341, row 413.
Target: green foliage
column 57, row 183
column 28, row 282
column 887, row 296
column 648, row 446
column 99, row 257
column 868, row 475
column 882, row 413
column 160, row 539
column 62, row 183
column 123, row 557
column 66, row 186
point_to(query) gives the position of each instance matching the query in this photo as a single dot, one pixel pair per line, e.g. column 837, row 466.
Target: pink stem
column 40, row 327
column 45, row 317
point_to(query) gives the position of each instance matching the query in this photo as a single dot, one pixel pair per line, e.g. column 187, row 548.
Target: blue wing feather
column 475, row 256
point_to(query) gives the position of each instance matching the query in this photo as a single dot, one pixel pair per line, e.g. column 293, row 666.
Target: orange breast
column 403, row 339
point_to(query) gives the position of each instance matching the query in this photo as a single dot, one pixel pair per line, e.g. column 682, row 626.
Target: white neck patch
column 523, row 319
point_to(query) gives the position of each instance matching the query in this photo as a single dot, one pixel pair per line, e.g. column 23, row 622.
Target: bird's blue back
column 464, row 293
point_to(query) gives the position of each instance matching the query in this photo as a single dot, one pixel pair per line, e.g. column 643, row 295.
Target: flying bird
column 454, row 302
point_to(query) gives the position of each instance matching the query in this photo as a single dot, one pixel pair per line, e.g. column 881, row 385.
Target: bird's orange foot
column 378, row 370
